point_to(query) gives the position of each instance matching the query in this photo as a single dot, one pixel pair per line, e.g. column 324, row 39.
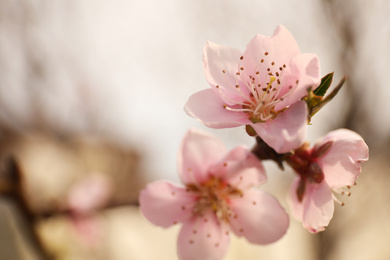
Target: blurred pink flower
column 261, row 88
column 216, row 199
column 332, row 165
column 89, row 194
column 84, row 199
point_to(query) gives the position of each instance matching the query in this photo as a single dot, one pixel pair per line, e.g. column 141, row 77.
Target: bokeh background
column 97, row 87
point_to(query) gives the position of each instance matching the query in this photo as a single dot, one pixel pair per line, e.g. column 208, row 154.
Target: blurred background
column 91, row 103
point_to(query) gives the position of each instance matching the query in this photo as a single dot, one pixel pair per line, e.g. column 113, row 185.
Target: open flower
column 261, row 87
column 332, row 165
column 215, row 200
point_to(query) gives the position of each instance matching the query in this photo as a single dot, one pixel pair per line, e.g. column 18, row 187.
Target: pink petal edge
column 287, row 131
column 198, row 151
column 165, row 204
column 258, row 217
column 208, row 107
column 342, row 163
column 203, row 238
column 316, row 209
column 241, row 169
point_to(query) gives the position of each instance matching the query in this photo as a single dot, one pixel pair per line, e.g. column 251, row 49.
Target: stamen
column 235, row 101
column 237, row 109
column 337, row 200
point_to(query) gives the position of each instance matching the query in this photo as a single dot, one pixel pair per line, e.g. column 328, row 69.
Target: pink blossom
column 217, row 199
column 331, row 166
column 84, row 199
column 261, row 87
column 89, row 194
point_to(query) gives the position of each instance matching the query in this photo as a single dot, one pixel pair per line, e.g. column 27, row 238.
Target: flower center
column 304, row 162
column 259, row 92
column 214, row 195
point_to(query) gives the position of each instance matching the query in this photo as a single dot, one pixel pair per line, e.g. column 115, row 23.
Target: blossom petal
column 304, row 69
column 220, row 64
column 203, row 238
column 342, row 163
column 258, row 217
column 287, row 131
column 316, row 209
column 280, row 48
column 165, row 204
column 198, row 152
column 241, row 169
column 208, row 107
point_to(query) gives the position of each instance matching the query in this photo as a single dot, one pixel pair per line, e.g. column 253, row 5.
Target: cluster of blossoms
column 273, row 90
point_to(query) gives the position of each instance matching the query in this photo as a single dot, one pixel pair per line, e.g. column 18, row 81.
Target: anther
column 272, row 63
column 268, row 69
column 278, row 81
column 194, row 231
column 266, row 53
column 277, row 74
column 257, row 72
column 237, row 73
column 262, row 60
column 223, row 71
column 237, row 86
column 254, row 203
column 242, row 57
column 241, row 68
column 284, row 65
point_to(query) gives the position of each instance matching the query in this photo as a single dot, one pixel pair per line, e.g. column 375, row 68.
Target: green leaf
column 328, row 98
column 325, row 84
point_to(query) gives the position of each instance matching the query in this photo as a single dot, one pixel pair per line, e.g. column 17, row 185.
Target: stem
column 264, row 152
